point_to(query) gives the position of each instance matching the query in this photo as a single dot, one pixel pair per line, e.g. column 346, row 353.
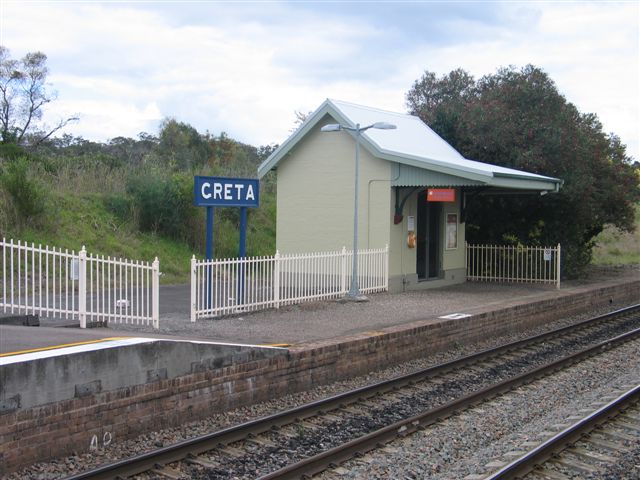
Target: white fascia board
column 273, row 159
column 547, row 185
column 527, row 176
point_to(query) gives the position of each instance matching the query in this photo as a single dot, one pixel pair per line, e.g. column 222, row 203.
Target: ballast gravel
column 495, row 432
column 463, row 437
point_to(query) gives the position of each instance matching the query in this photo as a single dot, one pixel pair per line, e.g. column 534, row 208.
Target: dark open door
column 428, row 238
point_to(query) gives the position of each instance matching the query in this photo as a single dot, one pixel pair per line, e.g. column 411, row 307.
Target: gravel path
column 119, row 449
column 464, row 444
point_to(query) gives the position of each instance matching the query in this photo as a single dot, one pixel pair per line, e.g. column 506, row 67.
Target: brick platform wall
column 55, row 430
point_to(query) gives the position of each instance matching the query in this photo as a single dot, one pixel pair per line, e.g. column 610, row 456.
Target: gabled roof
column 413, row 143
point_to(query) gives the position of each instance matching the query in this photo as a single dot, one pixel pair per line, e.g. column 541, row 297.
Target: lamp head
column 384, row 126
column 332, row 127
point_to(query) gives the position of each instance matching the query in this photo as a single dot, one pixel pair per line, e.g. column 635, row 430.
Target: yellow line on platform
column 54, row 347
column 282, row 345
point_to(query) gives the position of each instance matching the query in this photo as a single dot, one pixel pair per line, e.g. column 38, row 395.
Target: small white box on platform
column 123, row 303
column 455, row 316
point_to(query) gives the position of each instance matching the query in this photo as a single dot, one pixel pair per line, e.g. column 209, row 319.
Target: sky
column 245, row 67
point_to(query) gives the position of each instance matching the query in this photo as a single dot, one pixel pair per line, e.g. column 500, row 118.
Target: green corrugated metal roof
column 409, row 176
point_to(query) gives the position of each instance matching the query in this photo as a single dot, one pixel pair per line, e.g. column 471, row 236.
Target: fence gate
column 56, row 283
column 504, row 263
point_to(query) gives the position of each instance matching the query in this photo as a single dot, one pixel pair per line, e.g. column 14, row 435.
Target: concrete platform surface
column 310, row 321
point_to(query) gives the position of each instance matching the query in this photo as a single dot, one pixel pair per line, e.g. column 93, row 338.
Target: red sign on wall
column 441, row 195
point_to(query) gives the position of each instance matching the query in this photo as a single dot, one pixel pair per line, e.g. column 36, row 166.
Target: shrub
column 26, row 193
column 163, row 204
column 119, row 205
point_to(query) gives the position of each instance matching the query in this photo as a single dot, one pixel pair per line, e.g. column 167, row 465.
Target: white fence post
column 82, row 287
column 558, row 267
column 343, row 275
column 386, row 268
column 276, row 279
column 194, row 288
column 155, row 293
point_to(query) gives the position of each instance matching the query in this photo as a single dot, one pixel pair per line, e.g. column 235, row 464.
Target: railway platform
column 309, row 322
column 78, row 384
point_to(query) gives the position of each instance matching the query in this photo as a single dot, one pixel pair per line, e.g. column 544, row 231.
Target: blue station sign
column 226, row 192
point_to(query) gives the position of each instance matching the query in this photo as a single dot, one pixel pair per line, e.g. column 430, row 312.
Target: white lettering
column 217, row 190
column 239, row 188
column 250, row 195
column 227, row 192
column 206, row 185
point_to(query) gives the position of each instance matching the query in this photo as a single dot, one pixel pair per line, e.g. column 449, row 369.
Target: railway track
column 316, row 436
column 588, row 448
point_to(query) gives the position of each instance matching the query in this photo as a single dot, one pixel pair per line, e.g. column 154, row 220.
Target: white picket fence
column 505, row 263
column 222, row 287
column 57, row 283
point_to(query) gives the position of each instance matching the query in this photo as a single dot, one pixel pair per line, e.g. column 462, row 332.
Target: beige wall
column 316, row 191
column 315, row 206
column 402, row 259
column 454, row 258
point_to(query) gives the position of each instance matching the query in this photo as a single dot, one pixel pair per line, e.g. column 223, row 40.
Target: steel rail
column 539, row 455
column 211, row 441
column 317, row 463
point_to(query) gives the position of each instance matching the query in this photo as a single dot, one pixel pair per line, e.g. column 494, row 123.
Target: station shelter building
column 413, row 188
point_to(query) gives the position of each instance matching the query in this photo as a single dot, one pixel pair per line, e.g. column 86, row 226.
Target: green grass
column 614, row 247
column 74, row 220
column 83, row 220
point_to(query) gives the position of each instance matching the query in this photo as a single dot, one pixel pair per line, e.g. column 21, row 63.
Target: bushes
column 163, row 205
column 25, row 192
column 140, row 192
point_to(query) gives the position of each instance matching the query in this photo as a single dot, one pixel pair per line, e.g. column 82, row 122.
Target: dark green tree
column 519, row 119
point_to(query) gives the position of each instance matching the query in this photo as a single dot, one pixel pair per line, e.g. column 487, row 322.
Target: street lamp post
column 354, row 290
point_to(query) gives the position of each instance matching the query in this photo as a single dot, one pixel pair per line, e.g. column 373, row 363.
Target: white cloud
column 245, row 69
column 589, row 50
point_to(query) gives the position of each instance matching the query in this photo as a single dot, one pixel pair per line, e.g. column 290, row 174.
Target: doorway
column 428, row 254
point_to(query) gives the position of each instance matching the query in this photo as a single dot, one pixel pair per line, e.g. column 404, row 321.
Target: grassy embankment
column 84, row 219
column 92, row 208
column 614, row 247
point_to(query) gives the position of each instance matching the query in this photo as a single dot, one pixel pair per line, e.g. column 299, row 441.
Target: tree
column 301, row 117
column 23, row 94
column 181, row 146
column 518, row 119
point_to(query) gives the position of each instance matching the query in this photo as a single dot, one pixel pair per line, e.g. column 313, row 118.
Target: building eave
column 485, row 174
